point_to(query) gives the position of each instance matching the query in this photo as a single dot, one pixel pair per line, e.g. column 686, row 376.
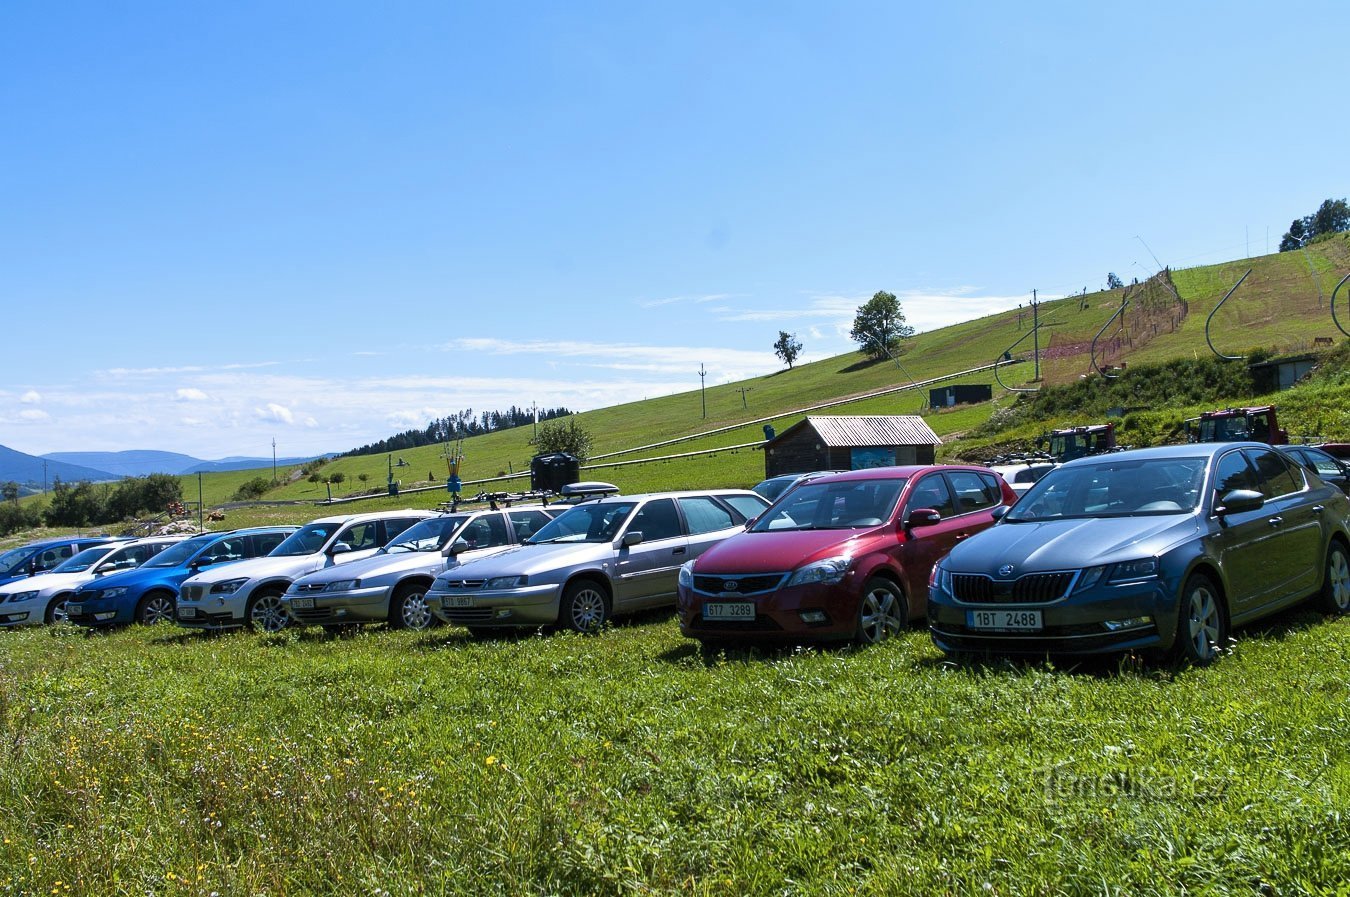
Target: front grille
column 461, row 585
column 738, row 584
column 194, row 593
column 1032, row 588
column 303, row 587
column 469, row 616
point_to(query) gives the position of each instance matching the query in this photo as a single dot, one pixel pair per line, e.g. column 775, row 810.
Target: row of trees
column 459, row 426
column 85, row 504
column 1331, row 217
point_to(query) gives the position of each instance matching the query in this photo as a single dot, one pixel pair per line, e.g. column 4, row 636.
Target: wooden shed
column 850, row 443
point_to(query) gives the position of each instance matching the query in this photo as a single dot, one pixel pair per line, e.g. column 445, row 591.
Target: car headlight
column 506, row 582
column 117, row 592
column 342, row 585
column 23, row 596
column 940, row 579
column 687, row 575
column 829, row 571
column 228, row 586
column 1130, row 571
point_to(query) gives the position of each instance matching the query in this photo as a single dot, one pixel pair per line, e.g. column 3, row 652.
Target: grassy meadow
column 154, row 761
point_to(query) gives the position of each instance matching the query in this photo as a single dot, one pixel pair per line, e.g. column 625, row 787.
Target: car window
column 1114, row 488
column 931, row 492
column 591, row 522
column 657, row 519
column 1233, row 472
column 86, row 559
column 746, row 505
column 527, row 523
column 841, row 505
column 229, row 549
column 1322, row 463
column 360, row 536
column 1277, row 476
column 135, row 555
column 703, row 515
column 266, row 543
column 972, row 492
column 487, row 531
column 306, row 540
column 396, row 525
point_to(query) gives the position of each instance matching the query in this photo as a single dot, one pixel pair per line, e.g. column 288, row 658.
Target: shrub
column 254, row 488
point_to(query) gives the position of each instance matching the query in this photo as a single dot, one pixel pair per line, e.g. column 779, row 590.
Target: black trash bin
column 393, row 487
column 551, row 472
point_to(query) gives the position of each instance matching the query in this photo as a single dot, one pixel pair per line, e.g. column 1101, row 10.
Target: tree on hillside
column 879, row 326
column 10, row 491
column 1331, row 217
column 1113, row 282
column 787, row 347
column 563, row 436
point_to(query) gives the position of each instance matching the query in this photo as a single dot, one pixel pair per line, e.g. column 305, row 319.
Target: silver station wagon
column 598, row 559
column 391, row 585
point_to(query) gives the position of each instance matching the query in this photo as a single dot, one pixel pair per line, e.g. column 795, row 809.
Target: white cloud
column 34, row 415
column 924, row 309
column 32, row 397
column 191, row 394
column 672, row 300
column 274, row 412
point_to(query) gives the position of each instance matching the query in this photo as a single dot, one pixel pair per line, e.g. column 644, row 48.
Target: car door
column 647, row 571
column 1297, row 526
column 1241, row 542
column 486, row 534
column 706, row 522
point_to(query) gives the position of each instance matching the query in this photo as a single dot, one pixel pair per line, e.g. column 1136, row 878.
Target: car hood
column 255, row 568
column 771, row 552
column 377, row 565
column 536, row 560
column 135, row 578
column 1070, row 543
column 47, row 582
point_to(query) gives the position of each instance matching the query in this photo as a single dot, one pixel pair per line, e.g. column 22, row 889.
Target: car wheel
column 266, row 613
column 882, row 612
column 56, row 610
column 408, row 609
column 157, row 607
column 585, row 608
column 1202, row 624
column 1335, row 598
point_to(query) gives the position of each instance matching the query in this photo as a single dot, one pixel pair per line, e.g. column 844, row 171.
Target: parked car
column 1330, row 469
column 391, row 586
column 596, row 560
column 840, row 557
column 146, row 594
column 39, row 557
column 249, row 593
column 1021, row 477
column 42, row 599
column 1162, row 548
column 773, row 487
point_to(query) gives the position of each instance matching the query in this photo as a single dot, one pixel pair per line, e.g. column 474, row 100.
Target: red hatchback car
column 845, row 556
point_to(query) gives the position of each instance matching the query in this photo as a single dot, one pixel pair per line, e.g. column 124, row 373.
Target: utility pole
column 743, row 391
column 1036, row 334
column 703, row 387
column 534, row 406
column 201, row 523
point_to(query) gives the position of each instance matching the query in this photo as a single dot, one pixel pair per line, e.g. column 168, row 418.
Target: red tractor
column 1258, row 424
column 1078, row 442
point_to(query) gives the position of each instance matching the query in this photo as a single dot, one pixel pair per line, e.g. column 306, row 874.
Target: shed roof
column 876, row 430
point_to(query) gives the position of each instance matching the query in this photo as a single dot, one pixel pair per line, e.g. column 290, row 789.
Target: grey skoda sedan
column 1163, row 548
column 598, row 559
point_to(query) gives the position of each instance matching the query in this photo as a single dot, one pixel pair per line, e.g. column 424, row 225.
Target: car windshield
column 1114, row 488
column 427, row 535
column 775, row 487
column 595, row 522
column 12, row 561
column 85, row 559
column 852, row 504
column 306, row 540
column 180, row 553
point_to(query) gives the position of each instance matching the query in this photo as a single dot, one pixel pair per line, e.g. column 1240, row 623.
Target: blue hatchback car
column 39, row 557
column 1162, row 548
column 149, row 593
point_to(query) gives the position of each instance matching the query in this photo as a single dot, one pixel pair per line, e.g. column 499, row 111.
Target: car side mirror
column 457, row 547
column 1240, row 501
column 998, row 512
column 340, row 548
column 922, row 517
column 631, row 538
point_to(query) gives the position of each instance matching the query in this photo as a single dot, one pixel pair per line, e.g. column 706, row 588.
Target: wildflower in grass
column 491, row 760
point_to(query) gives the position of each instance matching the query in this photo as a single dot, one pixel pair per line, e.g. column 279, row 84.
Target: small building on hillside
column 960, row 394
column 850, row 443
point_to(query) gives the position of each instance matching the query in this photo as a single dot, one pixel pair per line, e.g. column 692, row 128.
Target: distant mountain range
column 104, row 466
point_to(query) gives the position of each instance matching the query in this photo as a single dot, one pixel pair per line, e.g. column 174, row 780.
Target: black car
column 1330, row 469
column 1163, row 548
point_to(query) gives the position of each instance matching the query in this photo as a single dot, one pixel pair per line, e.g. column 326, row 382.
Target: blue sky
column 326, row 222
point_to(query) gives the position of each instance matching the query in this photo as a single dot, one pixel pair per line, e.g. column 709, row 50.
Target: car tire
column 265, row 612
column 1202, row 622
column 155, row 608
column 408, row 608
column 56, row 610
column 1335, row 595
column 882, row 612
column 585, row 606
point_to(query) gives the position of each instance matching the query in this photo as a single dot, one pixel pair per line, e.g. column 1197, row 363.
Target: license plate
column 302, row 603
column 186, row 612
column 74, row 608
column 729, row 610
column 1005, row 620
column 457, row 601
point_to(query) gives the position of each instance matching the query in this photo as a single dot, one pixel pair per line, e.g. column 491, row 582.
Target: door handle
column 1318, row 509
column 677, row 551
column 962, row 537
column 1275, row 521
